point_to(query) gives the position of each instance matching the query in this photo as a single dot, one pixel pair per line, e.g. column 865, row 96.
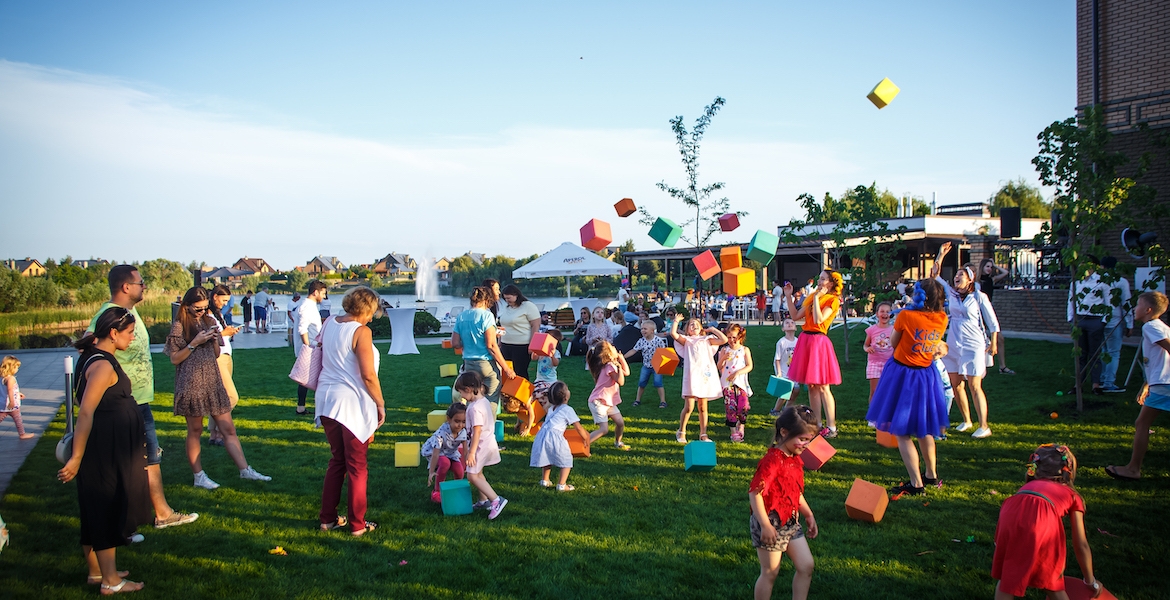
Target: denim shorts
column 644, row 377
column 153, row 453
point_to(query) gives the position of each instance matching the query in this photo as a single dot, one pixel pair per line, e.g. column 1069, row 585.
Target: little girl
column 546, row 375
column 10, row 406
column 877, row 345
column 777, row 497
column 700, row 376
column 908, row 401
column 735, row 362
column 482, row 450
column 445, row 447
column 609, row 370
column 814, row 362
column 1029, row 538
column 550, row 449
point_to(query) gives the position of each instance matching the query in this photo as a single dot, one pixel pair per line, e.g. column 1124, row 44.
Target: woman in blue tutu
column 908, row 402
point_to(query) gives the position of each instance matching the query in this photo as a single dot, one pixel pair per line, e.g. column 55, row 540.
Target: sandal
column 339, row 523
column 680, row 437
column 662, row 404
column 1006, row 371
column 703, row 437
column 544, row 483
column 621, row 446
column 121, row 587
column 1112, row 472
column 908, row 489
column 637, row 402
column 370, row 526
column 97, row 579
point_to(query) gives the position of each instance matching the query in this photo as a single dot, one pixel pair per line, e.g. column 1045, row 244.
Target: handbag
column 307, row 368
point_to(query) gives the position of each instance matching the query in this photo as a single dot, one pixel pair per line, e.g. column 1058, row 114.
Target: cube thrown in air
column 665, row 232
column 817, row 453
column 542, row 344
column 406, row 454
column 883, row 93
column 595, row 235
column 866, row 501
column 762, row 248
column 665, row 361
column 449, row 370
column 739, row 282
column 699, row 455
column 456, row 497
column 730, row 257
column 625, row 207
column 706, row 265
column 780, row 387
column 729, row 222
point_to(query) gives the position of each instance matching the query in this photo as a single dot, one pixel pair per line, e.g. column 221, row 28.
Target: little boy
column 648, row 344
column 784, row 349
column 1155, row 394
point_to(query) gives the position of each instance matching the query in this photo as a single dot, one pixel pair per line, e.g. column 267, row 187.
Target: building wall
column 1036, row 311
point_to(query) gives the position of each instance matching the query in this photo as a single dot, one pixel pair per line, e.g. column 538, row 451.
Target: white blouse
column 341, row 393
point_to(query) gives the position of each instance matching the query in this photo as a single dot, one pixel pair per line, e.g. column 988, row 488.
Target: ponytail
column 115, row 318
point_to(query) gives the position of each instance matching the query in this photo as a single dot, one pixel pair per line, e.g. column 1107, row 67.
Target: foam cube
column 739, row 282
column 762, row 248
column 436, row 418
column 665, row 232
column 1077, row 590
column 866, row 501
column 518, row 388
column 538, row 414
column 595, row 235
column 459, row 351
column 729, row 222
column 706, row 265
column 665, row 361
column 887, row 440
column 406, row 454
column 456, row 497
column 817, row 453
column 443, row 394
column 780, row 387
column 577, row 444
column 883, row 93
column 730, row 257
column 699, row 455
column 450, row 370
column 542, row 344
column 447, row 343
column 499, row 431
column 625, row 207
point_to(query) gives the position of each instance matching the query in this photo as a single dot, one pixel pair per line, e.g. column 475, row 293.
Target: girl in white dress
column 700, row 381
column 550, row 448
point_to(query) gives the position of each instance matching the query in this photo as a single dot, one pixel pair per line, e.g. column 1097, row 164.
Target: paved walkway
column 248, row 341
column 42, row 379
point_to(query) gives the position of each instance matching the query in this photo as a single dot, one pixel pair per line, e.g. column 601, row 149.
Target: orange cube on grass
column 866, row 502
column 447, row 344
column 887, row 440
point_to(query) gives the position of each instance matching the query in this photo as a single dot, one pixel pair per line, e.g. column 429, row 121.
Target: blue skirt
column 909, row 401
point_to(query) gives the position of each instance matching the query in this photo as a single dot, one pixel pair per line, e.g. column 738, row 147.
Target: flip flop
column 1118, row 476
column 97, row 579
column 339, row 523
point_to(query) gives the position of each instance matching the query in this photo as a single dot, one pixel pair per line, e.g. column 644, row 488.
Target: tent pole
column 568, row 295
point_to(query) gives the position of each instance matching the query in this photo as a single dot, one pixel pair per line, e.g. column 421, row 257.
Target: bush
column 158, row 332
column 93, row 292
column 425, row 322
column 380, row 328
column 56, row 340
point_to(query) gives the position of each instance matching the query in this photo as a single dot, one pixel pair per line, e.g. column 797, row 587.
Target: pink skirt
column 814, row 361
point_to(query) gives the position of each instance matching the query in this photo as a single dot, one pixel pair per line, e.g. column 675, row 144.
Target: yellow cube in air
column 406, row 454
column 739, row 282
column 450, row 370
column 436, row 418
column 883, row 93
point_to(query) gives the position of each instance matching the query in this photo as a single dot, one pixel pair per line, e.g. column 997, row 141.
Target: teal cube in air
column 499, row 431
column 665, row 232
column 762, row 248
column 456, row 497
column 780, row 387
column 443, row 394
column 699, row 456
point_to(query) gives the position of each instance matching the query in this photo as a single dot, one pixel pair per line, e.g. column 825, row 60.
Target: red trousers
column 455, row 467
column 349, row 458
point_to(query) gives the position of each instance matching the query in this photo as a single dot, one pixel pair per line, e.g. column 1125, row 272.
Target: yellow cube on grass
column 883, row 93
column 407, row 454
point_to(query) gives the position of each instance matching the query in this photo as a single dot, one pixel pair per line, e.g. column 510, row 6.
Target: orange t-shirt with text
column 921, row 333
column 829, row 305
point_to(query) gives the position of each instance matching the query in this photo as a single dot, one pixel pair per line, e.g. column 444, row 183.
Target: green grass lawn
column 638, row 524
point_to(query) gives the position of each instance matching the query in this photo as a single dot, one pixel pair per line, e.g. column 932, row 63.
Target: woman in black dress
column 109, row 452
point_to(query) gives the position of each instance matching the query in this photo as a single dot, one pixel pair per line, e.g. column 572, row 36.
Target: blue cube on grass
column 442, row 394
column 780, row 387
column 699, row 456
column 456, row 497
column 499, row 431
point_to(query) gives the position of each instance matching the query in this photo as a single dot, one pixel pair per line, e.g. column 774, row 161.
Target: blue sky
column 215, row 130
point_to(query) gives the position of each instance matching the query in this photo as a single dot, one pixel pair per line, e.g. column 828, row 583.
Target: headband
column 970, row 274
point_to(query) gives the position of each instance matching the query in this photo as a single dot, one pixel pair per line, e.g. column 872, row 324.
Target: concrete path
column 42, row 379
column 248, row 341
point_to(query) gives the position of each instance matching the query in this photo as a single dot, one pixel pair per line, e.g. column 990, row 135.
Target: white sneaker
column 250, row 473
column 205, row 482
column 963, row 427
column 981, row 433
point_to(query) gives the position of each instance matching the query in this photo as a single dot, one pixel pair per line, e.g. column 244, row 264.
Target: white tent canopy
column 568, row 260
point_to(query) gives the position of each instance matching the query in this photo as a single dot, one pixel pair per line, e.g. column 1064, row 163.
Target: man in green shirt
column 127, row 289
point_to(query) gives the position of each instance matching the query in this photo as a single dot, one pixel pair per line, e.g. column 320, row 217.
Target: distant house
column 322, row 265
column 85, row 264
column 396, row 267
column 257, row 266
column 29, row 267
column 477, row 257
column 443, row 268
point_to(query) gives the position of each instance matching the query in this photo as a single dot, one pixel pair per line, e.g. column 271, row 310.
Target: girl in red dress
column 1029, row 539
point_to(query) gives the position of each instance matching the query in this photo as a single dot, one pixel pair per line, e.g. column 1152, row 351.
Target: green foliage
column 55, row 340
column 380, row 328
column 158, row 332
column 425, row 322
column 296, row 281
column 23, row 293
column 374, row 281
column 1019, row 193
column 163, row 274
column 93, row 292
column 252, row 282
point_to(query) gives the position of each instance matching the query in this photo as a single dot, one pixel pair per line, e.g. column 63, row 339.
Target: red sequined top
column 779, row 480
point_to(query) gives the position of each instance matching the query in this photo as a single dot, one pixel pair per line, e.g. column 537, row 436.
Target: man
column 777, row 302
column 260, row 308
column 127, row 289
column 246, row 308
column 1114, row 328
column 308, row 323
column 1085, row 312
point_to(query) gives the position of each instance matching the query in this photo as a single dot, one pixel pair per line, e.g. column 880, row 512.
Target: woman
column 349, row 407
column 520, row 319
column 493, row 302
column 199, row 389
column 966, row 360
column 578, row 347
column 109, row 458
column 989, row 275
column 220, row 295
column 475, row 333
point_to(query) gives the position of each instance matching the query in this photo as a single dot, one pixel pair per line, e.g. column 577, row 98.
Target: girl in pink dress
column 700, row 382
column 482, row 450
column 814, row 362
column 877, row 345
column 609, row 370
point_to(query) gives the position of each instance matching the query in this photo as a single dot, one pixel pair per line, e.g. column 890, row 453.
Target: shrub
column 425, row 322
column 158, row 332
column 93, row 292
column 380, row 328
column 56, row 340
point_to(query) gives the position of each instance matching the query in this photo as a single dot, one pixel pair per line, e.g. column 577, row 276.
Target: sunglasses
column 198, row 310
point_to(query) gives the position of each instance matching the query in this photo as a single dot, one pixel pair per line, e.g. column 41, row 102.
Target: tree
column 1019, row 193
column 163, row 274
column 707, row 211
column 296, row 280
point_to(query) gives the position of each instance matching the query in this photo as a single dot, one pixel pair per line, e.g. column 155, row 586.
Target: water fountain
column 426, row 281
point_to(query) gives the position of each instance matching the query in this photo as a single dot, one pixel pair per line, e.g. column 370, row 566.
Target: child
column 609, row 371
column 648, row 344
column 700, row 376
column 550, row 448
column 1029, row 538
column 444, row 449
column 482, row 450
column 814, row 362
column 735, row 362
column 1155, row 394
column 546, row 375
column 777, row 497
column 784, row 348
column 877, row 345
column 908, row 401
column 10, row 406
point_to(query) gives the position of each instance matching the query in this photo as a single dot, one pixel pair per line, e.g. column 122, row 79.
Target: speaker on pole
column 1009, row 222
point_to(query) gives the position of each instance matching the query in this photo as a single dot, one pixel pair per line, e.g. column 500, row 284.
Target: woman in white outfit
column 969, row 310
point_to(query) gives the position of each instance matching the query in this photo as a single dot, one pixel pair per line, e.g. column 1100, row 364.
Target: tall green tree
column 1018, row 193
